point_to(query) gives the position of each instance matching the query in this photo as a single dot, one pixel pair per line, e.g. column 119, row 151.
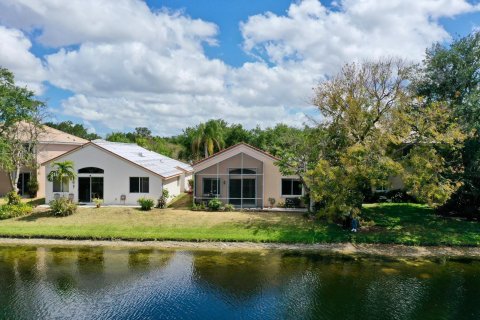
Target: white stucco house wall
column 118, row 173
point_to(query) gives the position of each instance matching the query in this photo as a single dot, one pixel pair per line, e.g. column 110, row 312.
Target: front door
column 90, row 188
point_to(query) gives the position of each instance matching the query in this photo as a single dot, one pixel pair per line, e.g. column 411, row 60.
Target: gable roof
column 47, row 135
column 262, row 152
column 52, row 135
column 154, row 162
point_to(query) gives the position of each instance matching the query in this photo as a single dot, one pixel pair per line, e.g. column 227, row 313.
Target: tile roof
column 47, row 135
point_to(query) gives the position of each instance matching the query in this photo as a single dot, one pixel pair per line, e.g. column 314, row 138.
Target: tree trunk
column 13, row 177
column 205, row 146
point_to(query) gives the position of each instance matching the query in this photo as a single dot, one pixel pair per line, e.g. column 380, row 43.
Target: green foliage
column 98, row 202
column 13, row 198
column 451, row 73
column 376, row 128
column 8, row 211
column 143, row 137
column 229, row 207
column 32, row 186
column 214, row 204
column 20, row 125
column 146, row 204
column 199, row 207
column 64, row 170
column 62, row 207
column 208, row 136
column 16, row 103
column 75, row 129
column 162, row 201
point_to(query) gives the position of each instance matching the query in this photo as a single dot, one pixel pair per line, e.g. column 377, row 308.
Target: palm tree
column 64, row 170
column 210, row 136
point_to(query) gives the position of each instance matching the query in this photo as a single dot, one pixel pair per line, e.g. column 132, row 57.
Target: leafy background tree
column 75, row 129
column 21, row 116
column 451, row 73
column 375, row 128
column 62, row 172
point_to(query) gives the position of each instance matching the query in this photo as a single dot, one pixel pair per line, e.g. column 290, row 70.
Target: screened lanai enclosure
column 238, row 180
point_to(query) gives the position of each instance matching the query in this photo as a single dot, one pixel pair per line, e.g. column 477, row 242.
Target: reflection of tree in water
column 65, row 283
column 90, row 260
column 238, row 274
column 21, row 261
column 366, row 289
column 17, row 270
column 139, row 259
column 91, row 269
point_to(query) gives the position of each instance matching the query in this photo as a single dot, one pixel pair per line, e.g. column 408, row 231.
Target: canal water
column 101, row 283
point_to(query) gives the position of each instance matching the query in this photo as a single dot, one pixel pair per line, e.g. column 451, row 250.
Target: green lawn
column 395, row 223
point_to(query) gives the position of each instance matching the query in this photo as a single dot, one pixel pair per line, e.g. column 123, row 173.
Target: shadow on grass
column 36, row 202
column 37, row 215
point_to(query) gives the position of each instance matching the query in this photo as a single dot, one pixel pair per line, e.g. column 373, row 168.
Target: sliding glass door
column 90, row 188
column 242, row 192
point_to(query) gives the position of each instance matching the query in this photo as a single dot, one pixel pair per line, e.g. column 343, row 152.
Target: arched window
column 90, row 170
column 242, row 171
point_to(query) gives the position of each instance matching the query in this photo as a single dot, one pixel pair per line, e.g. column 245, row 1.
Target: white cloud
column 15, row 56
column 129, row 66
column 356, row 30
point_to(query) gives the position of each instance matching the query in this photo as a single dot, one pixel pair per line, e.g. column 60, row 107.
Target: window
column 139, row 185
column 242, row 171
column 90, row 170
column 211, row 186
column 291, row 187
column 57, row 186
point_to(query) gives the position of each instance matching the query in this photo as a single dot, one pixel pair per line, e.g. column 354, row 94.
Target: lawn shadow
column 37, row 215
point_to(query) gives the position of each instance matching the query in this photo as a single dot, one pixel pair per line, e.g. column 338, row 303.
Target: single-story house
column 51, row 144
column 118, row 173
column 244, row 176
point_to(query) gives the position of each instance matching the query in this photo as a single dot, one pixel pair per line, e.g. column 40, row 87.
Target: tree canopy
column 20, row 125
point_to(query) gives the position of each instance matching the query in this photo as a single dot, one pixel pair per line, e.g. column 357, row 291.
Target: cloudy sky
column 119, row 64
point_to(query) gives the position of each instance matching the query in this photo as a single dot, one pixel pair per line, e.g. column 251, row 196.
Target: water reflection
column 94, row 283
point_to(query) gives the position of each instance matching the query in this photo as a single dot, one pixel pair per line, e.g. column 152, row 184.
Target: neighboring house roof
column 47, row 135
column 232, row 149
column 154, row 162
column 54, row 136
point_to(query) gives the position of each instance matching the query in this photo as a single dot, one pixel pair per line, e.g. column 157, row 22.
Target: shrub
column 146, row 204
column 98, row 202
column 190, row 185
column 8, row 211
column 62, row 207
column 32, row 187
column 199, row 207
column 13, row 198
column 229, row 207
column 214, row 204
column 162, row 201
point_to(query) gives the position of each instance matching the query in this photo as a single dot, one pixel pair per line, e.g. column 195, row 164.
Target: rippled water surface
column 99, row 283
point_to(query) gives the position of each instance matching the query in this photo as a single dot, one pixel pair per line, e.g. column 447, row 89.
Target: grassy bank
column 394, row 223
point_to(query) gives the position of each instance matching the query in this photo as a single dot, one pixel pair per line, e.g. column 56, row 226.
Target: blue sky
column 169, row 64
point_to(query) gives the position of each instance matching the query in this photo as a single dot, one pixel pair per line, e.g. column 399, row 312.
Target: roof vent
column 141, row 154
